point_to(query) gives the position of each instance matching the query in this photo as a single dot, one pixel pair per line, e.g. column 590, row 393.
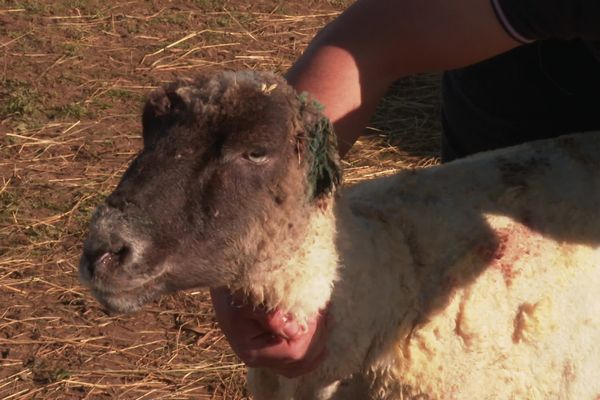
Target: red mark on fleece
column 513, row 244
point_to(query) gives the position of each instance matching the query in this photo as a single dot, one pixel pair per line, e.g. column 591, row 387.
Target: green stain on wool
column 324, row 174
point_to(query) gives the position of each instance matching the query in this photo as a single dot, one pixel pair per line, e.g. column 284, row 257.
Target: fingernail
column 302, row 328
column 291, row 330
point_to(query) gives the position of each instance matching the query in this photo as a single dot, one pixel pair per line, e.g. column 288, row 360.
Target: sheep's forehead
column 250, row 113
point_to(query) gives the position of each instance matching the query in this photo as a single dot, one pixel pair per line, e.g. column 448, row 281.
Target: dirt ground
column 73, row 77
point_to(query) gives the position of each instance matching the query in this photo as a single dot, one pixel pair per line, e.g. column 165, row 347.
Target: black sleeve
column 528, row 20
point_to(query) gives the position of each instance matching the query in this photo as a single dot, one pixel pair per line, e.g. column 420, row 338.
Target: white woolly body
column 478, row 279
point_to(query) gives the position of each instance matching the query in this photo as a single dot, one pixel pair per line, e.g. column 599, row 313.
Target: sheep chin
column 132, row 296
column 129, row 301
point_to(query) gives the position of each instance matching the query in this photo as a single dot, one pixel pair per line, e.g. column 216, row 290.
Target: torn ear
column 162, row 106
column 159, row 103
column 155, row 118
column 320, row 151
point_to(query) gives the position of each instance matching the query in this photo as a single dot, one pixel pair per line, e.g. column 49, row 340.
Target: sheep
column 476, row 279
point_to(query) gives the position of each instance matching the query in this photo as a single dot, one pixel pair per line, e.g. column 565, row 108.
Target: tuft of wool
column 324, row 173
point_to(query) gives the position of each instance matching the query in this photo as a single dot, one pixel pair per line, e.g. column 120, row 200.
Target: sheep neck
column 298, row 276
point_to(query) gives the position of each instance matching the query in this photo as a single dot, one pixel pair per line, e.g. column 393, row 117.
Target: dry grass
column 73, row 75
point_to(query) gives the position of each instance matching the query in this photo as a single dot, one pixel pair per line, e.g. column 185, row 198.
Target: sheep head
column 232, row 166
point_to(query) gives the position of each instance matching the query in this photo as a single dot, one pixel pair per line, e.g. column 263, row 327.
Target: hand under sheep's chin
column 270, row 339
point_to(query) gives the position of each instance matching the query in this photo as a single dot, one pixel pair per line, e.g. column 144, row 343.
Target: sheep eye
column 257, row 156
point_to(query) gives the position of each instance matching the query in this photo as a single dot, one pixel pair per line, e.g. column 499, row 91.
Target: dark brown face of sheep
column 230, row 161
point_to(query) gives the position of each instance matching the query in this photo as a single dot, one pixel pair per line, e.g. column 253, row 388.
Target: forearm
column 350, row 65
column 330, row 74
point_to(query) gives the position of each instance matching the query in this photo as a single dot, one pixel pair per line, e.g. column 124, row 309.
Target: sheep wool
column 472, row 280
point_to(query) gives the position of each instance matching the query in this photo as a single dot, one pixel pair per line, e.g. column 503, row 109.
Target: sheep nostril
column 105, row 262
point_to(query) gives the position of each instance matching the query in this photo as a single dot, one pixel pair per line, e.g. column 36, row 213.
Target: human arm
column 351, row 63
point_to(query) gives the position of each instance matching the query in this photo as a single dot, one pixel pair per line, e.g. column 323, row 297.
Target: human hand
column 272, row 339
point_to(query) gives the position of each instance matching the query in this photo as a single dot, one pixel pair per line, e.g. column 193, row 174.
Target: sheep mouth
column 124, row 294
column 123, row 301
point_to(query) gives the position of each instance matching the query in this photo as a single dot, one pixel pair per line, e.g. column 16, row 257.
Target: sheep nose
column 104, row 260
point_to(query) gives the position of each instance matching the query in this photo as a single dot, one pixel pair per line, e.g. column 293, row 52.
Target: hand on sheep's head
column 271, row 339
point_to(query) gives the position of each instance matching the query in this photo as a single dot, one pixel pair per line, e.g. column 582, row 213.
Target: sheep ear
column 321, row 151
column 161, row 107
column 159, row 103
column 155, row 117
